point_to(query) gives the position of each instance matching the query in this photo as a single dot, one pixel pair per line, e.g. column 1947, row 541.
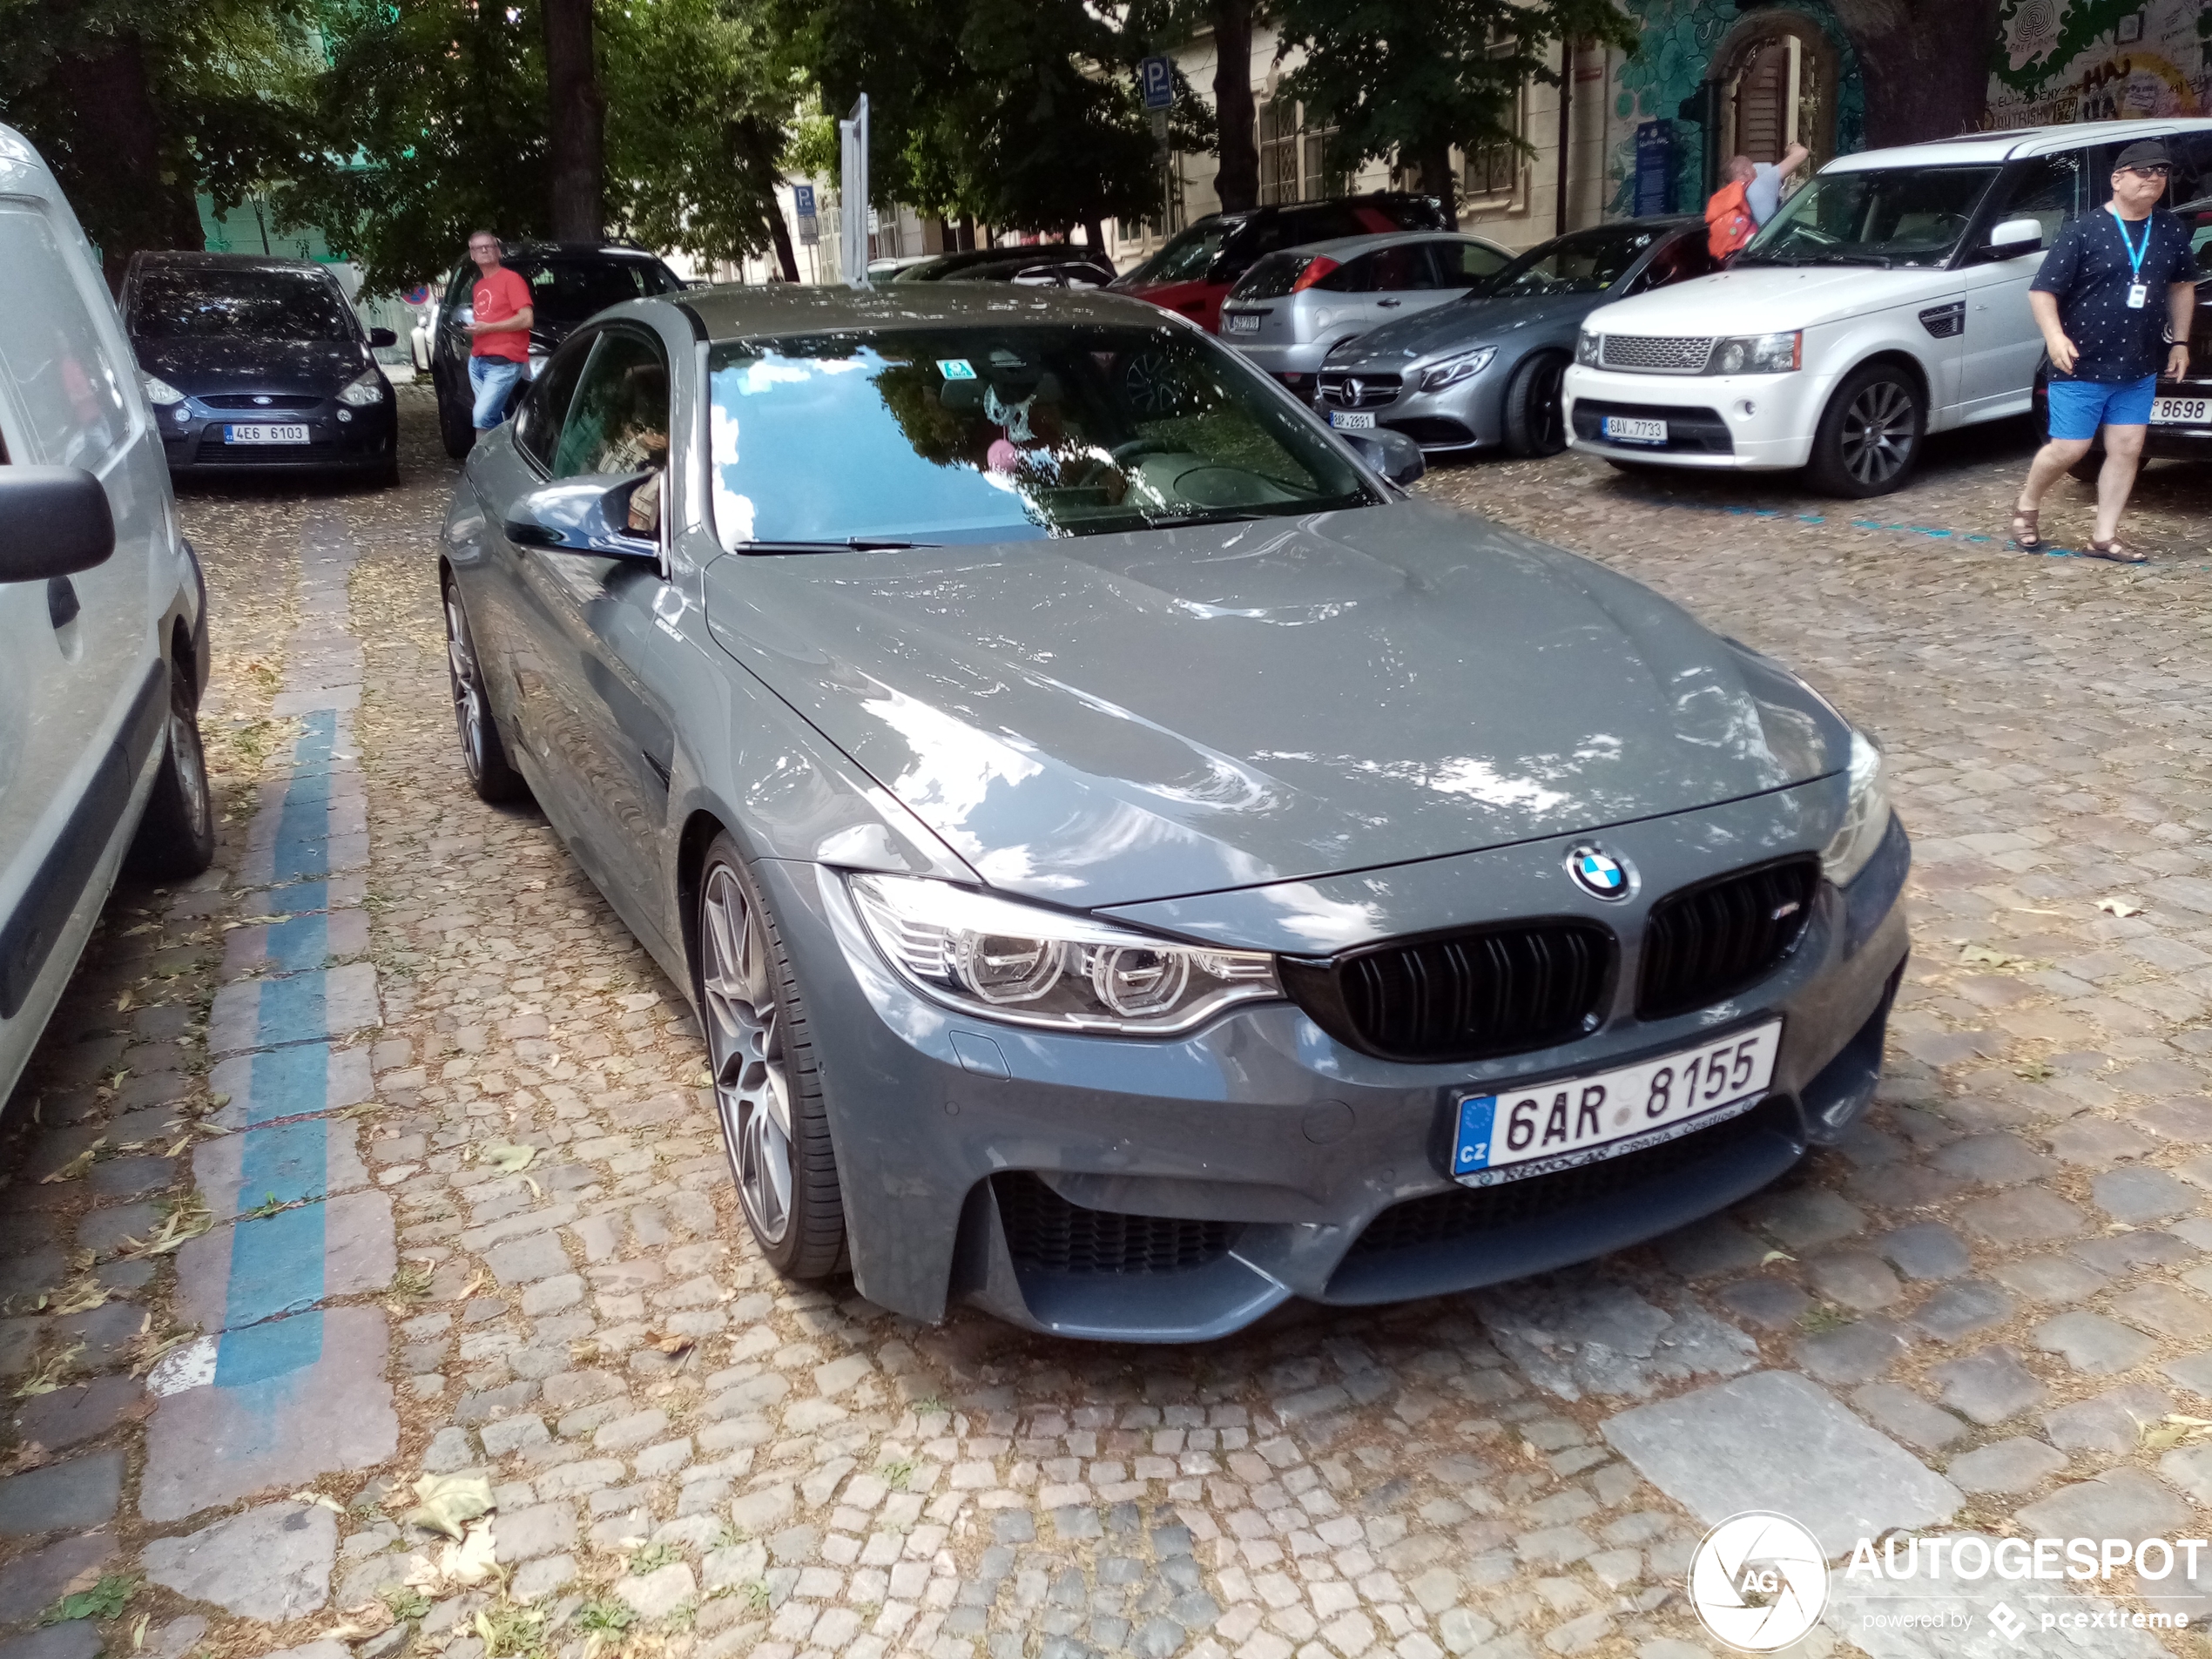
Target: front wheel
column 483, row 754
column 176, row 838
column 1535, row 422
column 1870, row 436
column 768, row 1091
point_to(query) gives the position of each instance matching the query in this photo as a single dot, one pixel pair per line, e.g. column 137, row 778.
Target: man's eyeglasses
column 2157, row 170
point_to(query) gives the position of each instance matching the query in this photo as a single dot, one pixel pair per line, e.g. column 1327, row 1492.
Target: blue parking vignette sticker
column 956, row 368
column 1471, row 1150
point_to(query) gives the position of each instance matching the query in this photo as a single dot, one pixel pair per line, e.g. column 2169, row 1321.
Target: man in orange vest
column 1750, row 193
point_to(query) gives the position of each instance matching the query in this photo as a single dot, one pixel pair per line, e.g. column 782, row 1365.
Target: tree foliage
column 139, row 105
column 1409, row 79
column 1023, row 113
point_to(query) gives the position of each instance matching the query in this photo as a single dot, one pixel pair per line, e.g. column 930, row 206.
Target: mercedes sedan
column 1133, row 864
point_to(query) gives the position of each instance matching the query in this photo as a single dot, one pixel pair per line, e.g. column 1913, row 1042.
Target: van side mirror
column 2015, row 236
column 379, row 338
column 54, row 521
column 588, row 513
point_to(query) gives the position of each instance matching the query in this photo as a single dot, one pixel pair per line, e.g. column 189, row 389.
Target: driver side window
column 538, row 424
column 617, row 420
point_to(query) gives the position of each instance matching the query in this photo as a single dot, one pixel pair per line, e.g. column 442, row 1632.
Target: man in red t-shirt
column 500, row 327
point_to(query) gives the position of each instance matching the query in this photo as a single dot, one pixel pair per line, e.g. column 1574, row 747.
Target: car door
column 2000, row 344
column 1431, row 277
column 82, row 686
column 1462, row 264
column 589, row 619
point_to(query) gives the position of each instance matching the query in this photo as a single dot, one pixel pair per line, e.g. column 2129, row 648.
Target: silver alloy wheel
column 745, row 1040
column 1877, row 435
column 468, row 687
column 190, row 766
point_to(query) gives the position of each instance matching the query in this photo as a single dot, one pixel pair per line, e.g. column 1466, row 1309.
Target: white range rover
column 1886, row 300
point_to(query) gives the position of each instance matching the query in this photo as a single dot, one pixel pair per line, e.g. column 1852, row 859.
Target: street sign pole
column 1155, row 81
column 852, row 196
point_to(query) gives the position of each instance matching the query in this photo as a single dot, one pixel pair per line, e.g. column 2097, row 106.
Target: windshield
column 1587, row 262
column 1005, row 434
column 1185, row 258
column 1881, row 216
column 571, row 290
column 233, row 305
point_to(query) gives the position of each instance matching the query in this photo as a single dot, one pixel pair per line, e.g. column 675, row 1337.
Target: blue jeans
column 492, row 379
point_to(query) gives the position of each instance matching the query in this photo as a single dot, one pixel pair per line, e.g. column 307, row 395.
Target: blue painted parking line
column 284, row 1164
column 276, row 1263
column 260, row 1353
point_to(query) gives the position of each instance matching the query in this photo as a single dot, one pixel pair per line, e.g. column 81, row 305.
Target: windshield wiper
column 1881, row 259
column 844, row 544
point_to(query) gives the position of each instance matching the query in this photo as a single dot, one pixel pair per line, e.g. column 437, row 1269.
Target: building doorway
column 1777, row 87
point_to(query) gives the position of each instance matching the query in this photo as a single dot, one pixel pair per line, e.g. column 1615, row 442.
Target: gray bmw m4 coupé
column 1133, row 864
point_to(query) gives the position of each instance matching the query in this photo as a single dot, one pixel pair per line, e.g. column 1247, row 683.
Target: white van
column 103, row 614
column 1886, row 300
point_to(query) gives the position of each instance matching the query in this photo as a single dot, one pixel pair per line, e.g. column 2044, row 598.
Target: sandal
column 2117, row 550
column 2027, row 535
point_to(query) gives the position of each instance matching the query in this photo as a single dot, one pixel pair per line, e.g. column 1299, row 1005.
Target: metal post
column 852, row 196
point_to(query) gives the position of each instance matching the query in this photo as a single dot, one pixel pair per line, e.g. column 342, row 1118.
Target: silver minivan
column 103, row 614
column 1293, row 308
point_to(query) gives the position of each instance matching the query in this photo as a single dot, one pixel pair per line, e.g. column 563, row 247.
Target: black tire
column 760, row 1053
column 484, row 754
column 1536, row 419
column 1870, row 435
column 176, row 838
column 456, row 424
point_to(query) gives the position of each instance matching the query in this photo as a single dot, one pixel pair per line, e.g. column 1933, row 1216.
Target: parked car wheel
column 1536, row 424
column 1870, row 435
column 176, row 838
column 454, row 425
column 482, row 752
column 767, row 1088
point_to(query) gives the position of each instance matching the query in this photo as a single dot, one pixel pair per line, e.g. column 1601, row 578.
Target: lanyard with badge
column 2139, row 292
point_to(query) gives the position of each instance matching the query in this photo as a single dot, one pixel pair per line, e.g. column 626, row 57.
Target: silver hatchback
column 1293, row 308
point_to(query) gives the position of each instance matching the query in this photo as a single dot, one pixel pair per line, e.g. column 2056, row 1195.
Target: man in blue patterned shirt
column 2115, row 294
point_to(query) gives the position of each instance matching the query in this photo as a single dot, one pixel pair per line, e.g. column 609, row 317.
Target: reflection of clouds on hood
column 1471, row 780
column 1324, row 923
column 952, row 765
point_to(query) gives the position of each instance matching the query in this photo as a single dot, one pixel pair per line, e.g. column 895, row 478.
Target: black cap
column 2147, row 152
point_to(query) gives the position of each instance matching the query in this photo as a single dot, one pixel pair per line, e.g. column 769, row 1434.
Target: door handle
column 1386, row 304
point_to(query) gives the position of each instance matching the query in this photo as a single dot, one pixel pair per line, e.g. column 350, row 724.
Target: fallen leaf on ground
column 77, row 1165
column 513, row 1159
column 1989, row 958
column 2118, row 907
column 446, row 1502
column 319, row 1499
column 668, row 1342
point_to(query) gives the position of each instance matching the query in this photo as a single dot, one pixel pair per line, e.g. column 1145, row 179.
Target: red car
column 1196, row 268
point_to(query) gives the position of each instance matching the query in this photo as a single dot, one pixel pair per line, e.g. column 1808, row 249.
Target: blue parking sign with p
column 1156, row 79
column 803, row 199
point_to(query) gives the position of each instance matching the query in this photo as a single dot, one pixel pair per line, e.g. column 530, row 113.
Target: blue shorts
column 2078, row 407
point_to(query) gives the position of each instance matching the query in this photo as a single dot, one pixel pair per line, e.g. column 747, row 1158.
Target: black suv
column 1041, row 264
column 569, row 282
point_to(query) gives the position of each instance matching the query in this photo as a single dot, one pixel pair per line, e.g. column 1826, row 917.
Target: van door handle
column 1387, row 303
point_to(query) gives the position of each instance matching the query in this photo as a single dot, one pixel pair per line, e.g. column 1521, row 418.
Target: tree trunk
column 1434, row 160
column 967, row 233
column 786, row 255
column 1237, row 182
column 1919, row 83
column 117, row 173
column 576, row 123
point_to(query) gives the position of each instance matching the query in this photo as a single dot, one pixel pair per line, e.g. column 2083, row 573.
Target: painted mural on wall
column 2099, row 60
column 1678, row 40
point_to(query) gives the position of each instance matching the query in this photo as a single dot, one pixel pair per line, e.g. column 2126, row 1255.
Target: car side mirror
column 464, row 314
column 379, row 338
column 54, row 521
column 2015, row 236
column 1392, row 454
column 589, row 515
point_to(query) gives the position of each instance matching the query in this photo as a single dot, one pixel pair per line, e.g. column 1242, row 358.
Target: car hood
column 1099, row 720
column 198, row 366
column 1460, row 323
column 1758, row 300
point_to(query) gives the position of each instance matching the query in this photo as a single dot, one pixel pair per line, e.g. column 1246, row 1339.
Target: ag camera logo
column 1758, row 1582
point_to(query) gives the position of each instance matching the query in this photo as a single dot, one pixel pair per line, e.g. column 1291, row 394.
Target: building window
column 1279, row 151
column 1491, row 172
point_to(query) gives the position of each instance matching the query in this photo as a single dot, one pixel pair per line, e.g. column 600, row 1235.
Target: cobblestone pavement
column 379, row 1160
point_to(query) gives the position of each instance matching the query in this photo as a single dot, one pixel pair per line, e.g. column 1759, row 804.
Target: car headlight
column 1452, row 370
column 1008, row 960
column 158, row 391
column 1757, row 354
column 1586, row 349
column 365, row 389
column 1866, row 817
